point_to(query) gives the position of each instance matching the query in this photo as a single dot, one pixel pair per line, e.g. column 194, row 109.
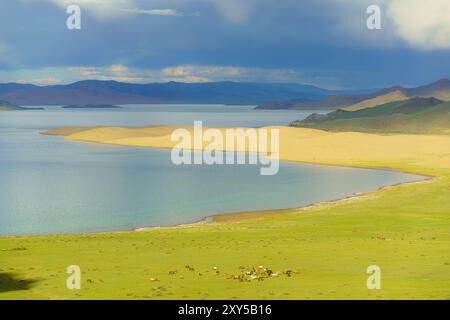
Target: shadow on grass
column 11, row 282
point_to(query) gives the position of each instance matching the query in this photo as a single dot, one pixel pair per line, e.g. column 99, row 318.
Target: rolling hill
column 396, row 95
column 352, row 102
column 5, row 105
column 113, row 92
column 439, row 89
column 328, row 102
column 415, row 115
column 266, row 95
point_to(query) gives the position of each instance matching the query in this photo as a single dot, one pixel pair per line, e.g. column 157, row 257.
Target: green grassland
column 318, row 253
column 416, row 115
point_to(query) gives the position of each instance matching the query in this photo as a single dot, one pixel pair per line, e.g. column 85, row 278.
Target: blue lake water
column 48, row 185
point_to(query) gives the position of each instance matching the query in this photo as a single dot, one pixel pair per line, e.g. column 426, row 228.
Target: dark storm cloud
column 322, row 41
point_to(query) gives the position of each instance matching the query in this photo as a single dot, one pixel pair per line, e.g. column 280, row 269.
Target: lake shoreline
column 238, row 216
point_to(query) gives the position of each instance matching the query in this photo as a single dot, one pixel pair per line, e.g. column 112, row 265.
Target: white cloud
column 99, row 8
column 41, row 81
column 193, row 73
column 115, row 72
column 156, row 12
column 118, row 69
column 184, row 73
column 425, row 24
column 420, row 23
column 179, row 71
column 105, row 9
column 84, row 71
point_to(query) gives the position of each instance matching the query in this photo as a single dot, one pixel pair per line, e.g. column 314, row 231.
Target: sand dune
column 297, row 144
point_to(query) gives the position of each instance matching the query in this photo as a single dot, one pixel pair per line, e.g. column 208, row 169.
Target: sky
column 323, row 42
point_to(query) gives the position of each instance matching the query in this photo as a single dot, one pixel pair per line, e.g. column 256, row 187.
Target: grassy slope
column 435, row 119
column 405, row 230
column 379, row 100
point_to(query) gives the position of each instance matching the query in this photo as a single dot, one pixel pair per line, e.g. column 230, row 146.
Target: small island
column 91, row 106
column 7, row 106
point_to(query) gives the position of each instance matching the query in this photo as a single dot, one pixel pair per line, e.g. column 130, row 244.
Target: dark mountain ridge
column 113, row 92
column 439, row 89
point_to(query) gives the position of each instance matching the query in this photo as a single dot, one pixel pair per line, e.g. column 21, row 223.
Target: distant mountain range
column 414, row 115
column 351, row 102
column 391, row 109
column 112, row 92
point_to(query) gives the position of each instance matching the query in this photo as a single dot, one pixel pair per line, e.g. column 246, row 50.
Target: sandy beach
column 299, row 145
